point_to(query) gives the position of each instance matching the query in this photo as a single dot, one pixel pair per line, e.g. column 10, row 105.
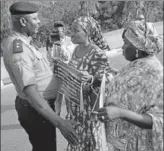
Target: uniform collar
column 27, row 39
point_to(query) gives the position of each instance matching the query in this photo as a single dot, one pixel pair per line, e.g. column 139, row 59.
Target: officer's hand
column 67, row 130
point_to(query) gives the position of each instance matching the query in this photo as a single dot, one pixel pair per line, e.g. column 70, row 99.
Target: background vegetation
column 111, row 15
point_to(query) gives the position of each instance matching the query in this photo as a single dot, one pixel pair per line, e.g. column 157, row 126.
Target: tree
column 111, row 15
column 114, row 14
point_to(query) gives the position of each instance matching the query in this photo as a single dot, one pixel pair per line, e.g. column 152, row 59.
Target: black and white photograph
column 81, row 75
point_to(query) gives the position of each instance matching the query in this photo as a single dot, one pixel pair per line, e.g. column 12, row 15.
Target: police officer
column 34, row 81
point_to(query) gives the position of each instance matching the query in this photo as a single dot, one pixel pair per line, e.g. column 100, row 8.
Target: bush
column 111, row 15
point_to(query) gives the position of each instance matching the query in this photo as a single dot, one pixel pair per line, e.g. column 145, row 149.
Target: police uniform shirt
column 27, row 66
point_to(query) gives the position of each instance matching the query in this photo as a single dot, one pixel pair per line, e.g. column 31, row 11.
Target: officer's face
column 32, row 24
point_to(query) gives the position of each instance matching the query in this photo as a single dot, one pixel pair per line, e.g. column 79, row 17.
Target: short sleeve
column 22, row 70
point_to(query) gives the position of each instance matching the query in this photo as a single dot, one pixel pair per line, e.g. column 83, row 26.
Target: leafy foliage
column 111, row 15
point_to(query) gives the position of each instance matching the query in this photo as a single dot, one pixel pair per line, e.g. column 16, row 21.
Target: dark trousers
column 42, row 134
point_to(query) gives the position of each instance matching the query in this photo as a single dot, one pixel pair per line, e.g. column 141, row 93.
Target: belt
column 49, row 101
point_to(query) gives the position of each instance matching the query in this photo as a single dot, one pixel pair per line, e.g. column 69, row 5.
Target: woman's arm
column 112, row 112
column 140, row 120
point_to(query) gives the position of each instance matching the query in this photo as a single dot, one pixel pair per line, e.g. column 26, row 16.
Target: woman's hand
column 110, row 112
column 86, row 77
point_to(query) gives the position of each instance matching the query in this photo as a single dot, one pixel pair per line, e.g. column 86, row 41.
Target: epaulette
column 17, row 46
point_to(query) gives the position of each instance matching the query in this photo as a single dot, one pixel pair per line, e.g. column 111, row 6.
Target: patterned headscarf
column 93, row 29
column 143, row 37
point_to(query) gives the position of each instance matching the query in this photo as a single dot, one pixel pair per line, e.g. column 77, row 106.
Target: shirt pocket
column 41, row 67
column 38, row 66
column 38, row 63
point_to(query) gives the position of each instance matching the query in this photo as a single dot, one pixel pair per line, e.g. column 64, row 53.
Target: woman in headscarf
column 133, row 111
column 96, row 36
column 92, row 62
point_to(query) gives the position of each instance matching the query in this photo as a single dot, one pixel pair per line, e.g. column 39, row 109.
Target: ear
column 23, row 21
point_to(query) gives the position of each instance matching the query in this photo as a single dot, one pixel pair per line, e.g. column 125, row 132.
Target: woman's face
column 78, row 35
column 129, row 51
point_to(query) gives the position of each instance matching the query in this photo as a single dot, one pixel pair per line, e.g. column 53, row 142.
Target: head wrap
column 142, row 35
column 93, row 29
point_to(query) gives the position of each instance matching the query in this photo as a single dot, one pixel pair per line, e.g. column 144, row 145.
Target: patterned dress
column 95, row 62
column 137, row 87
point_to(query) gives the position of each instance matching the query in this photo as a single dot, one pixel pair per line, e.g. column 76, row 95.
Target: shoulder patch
column 17, row 46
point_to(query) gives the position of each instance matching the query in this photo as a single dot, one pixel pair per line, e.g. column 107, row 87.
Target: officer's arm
column 43, row 108
column 22, row 69
column 41, row 105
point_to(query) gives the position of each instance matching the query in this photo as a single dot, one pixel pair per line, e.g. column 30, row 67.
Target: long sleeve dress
column 94, row 62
